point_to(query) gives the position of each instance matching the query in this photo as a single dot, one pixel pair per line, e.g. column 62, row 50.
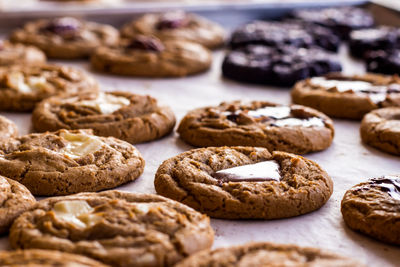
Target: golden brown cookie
column 115, row 227
column 130, row 117
column 177, row 25
column 381, row 129
column 45, row 258
column 373, row 208
column 244, row 182
column 21, row 87
column 267, row 255
column 349, row 97
column 20, row 54
column 296, row 129
column 8, row 129
column 146, row 56
column 67, row 37
column 15, row 199
column 67, row 162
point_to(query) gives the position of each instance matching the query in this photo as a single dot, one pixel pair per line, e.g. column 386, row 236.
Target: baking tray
column 347, row 161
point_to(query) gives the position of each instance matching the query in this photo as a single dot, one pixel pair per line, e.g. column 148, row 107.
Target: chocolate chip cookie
column 115, row 227
column 296, row 129
column 130, row 117
column 20, row 54
column 267, row 254
column 147, row 56
column 373, row 208
column 280, row 66
column 381, row 129
column 66, row 37
column 346, row 96
column 384, row 61
column 14, row 199
column 8, row 129
column 244, row 182
column 67, row 162
column 45, row 258
column 21, row 87
column 177, row 25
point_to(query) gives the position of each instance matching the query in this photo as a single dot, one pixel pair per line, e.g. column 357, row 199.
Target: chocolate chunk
column 172, row 20
column 147, row 43
column 66, row 27
column 389, row 184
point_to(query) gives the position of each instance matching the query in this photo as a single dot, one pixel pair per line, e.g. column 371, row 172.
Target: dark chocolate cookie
column 384, row 61
column 281, row 66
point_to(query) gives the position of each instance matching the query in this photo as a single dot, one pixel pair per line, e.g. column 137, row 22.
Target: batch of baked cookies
column 247, row 164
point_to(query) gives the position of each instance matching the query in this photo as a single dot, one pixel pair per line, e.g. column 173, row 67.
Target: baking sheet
column 347, row 161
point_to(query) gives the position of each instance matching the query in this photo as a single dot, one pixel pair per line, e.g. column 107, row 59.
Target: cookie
column 366, row 40
column 115, row 227
column 277, row 34
column 342, row 20
column 8, row 129
column 295, row 128
column 45, row 258
column 67, row 162
column 373, row 208
column 281, row 66
column 14, row 199
column 66, row 37
column 21, row 87
column 381, row 129
column 267, row 254
column 20, row 54
column 147, row 56
column 346, row 96
column 129, row 117
column 244, row 182
column 176, row 25
column 384, row 61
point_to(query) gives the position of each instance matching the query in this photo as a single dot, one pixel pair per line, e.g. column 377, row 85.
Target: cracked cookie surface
column 296, row 129
column 115, row 227
column 205, row 180
column 66, row 162
column 14, row 200
column 268, row 254
column 22, row 87
column 8, row 129
column 129, row 117
column 349, row 97
column 373, row 208
column 20, row 54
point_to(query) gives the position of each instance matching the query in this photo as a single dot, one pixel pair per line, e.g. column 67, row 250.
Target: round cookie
column 14, row 199
column 280, row 66
column 66, row 37
column 67, row 162
column 45, row 258
column 381, row 129
column 177, row 25
column 267, row 254
column 373, row 208
column 346, row 96
column 244, row 182
column 342, row 20
column 296, row 129
column 147, row 56
column 384, row 61
column 20, row 54
column 8, row 129
column 115, row 227
column 21, row 87
column 129, row 117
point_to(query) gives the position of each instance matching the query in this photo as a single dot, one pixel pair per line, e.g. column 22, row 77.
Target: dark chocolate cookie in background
column 380, row 38
column 267, row 255
column 381, row 129
column 342, row 20
column 373, row 208
column 384, row 61
column 296, row 129
column 280, row 66
column 244, row 182
column 347, row 96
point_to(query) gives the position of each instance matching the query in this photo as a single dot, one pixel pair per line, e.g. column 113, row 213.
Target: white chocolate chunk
column 105, row 103
column 17, row 80
column 80, row 144
column 77, row 212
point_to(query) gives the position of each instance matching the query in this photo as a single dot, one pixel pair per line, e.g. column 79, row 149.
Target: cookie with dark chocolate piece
column 384, row 61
